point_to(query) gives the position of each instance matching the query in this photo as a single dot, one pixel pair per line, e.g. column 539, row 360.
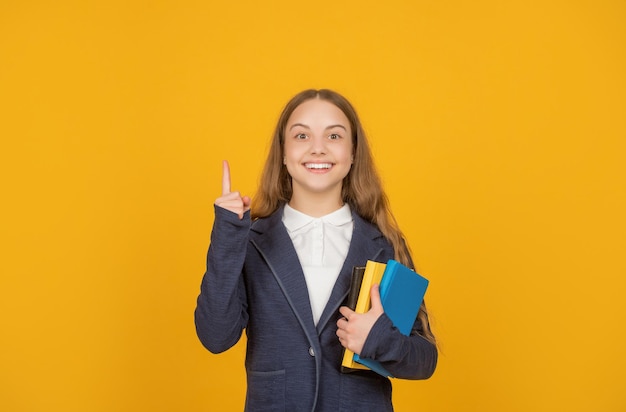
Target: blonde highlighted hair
column 361, row 189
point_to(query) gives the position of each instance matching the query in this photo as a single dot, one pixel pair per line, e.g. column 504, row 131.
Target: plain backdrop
column 498, row 128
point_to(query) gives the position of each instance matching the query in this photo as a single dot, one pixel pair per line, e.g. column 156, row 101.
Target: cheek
column 346, row 153
column 291, row 156
column 288, row 151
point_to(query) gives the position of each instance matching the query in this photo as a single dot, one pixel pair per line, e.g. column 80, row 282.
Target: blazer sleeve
column 405, row 357
column 221, row 311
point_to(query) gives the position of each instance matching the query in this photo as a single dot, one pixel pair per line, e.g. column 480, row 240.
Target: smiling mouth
column 318, row 166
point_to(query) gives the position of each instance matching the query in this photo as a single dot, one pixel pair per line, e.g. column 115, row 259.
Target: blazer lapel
column 280, row 255
column 362, row 249
column 277, row 249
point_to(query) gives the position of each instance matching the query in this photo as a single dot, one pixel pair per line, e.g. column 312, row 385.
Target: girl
column 281, row 270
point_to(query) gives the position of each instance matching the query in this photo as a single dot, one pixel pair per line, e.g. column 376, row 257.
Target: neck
column 315, row 204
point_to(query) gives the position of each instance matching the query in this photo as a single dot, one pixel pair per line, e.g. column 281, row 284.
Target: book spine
column 373, row 274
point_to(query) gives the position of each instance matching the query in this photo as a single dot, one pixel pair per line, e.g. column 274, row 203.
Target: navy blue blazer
column 254, row 281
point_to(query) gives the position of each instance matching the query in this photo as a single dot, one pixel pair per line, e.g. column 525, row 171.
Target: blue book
column 401, row 293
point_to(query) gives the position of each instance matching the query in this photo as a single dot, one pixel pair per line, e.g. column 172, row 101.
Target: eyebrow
column 332, row 126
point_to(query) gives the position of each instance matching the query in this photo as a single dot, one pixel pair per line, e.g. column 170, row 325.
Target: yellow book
column 373, row 274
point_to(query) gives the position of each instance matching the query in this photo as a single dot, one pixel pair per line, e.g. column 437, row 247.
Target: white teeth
column 318, row 165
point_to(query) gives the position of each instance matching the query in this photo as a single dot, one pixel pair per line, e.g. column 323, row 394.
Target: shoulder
column 368, row 237
column 366, row 228
column 265, row 224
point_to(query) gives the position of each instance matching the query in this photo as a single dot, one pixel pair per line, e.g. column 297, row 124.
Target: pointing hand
column 232, row 201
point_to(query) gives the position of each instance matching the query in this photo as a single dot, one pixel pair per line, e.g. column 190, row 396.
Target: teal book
column 402, row 291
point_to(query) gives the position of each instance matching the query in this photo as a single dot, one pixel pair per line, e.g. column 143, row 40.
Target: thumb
column 375, row 298
column 246, row 203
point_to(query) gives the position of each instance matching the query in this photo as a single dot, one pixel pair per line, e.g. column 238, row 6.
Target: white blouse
column 322, row 246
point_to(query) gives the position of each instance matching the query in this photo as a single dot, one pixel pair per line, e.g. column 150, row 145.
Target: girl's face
column 318, row 148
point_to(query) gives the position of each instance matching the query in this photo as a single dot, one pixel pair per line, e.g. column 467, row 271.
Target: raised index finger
column 225, row 178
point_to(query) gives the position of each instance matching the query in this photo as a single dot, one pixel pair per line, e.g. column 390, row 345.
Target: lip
column 318, row 167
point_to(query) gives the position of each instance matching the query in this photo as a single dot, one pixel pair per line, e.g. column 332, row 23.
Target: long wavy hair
column 361, row 189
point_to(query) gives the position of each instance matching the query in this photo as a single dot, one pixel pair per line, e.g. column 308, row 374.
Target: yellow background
column 498, row 127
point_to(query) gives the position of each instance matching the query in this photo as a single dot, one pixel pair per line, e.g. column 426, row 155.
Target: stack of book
column 401, row 293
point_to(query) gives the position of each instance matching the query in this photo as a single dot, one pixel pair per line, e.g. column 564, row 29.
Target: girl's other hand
column 232, row 201
column 353, row 328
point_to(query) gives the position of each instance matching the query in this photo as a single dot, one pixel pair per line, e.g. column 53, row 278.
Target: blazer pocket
column 266, row 391
column 365, row 392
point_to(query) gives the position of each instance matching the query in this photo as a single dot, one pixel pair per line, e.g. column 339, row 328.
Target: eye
column 301, row 136
column 334, row 136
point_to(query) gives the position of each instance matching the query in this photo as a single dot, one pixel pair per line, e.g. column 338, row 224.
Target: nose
column 318, row 145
